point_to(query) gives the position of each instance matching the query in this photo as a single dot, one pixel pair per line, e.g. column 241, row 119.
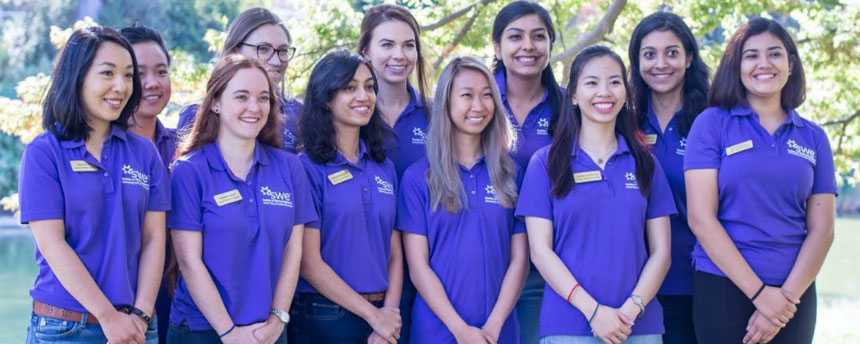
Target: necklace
column 601, row 158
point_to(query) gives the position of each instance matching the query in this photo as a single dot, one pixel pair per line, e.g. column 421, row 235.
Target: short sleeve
column 186, row 118
column 660, row 201
column 315, row 187
column 159, row 184
column 703, row 149
column 534, row 199
column 187, row 194
column 519, row 225
column 825, row 175
column 305, row 209
column 40, row 193
column 412, row 202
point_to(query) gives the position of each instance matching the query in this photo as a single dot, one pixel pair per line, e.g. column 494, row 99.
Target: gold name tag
column 228, row 197
column 740, row 147
column 339, row 177
column 651, row 139
column 585, row 177
column 82, row 166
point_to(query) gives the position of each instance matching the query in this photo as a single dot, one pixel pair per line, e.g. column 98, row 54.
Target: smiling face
column 243, row 107
column 471, row 102
column 393, row 51
column 353, row 105
column 273, row 36
column 154, row 77
column 525, row 46
column 107, row 85
column 600, row 91
column 764, row 66
column 663, row 61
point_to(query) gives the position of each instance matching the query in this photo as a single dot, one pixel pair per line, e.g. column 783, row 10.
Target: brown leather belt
column 51, row 311
column 373, row 297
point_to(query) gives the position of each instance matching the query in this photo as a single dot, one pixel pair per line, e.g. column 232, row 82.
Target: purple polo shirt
column 764, row 181
column 102, row 205
column 356, row 204
column 407, row 144
column 165, row 141
column 599, row 234
column 244, row 237
column 290, row 110
column 469, row 250
column 534, row 132
column 668, row 148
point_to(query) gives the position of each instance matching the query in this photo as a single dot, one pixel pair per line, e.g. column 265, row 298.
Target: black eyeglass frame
column 288, row 53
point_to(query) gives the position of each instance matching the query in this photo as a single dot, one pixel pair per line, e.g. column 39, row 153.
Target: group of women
column 411, row 219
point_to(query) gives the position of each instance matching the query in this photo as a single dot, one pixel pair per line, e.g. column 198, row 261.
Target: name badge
column 740, row 147
column 339, row 177
column 82, row 166
column 228, row 197
column 585, row 177
column 651, row 139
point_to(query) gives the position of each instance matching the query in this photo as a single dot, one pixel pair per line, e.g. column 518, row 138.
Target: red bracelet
column 571, row 291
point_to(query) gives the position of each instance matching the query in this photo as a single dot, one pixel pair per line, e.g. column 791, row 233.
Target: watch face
column 284, row 316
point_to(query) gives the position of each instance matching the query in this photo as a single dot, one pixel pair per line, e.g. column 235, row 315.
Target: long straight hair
column 497, row 139
column 570, row 123
column 694, row 93
column 514, row 11
column 377, row 15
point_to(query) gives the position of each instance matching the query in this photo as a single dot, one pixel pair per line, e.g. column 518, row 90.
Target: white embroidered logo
column 683, row 146
column 630, row 181
column 491, row 195
column 418, row 136
column 281, row 199
column 801, row 151
column 134, row 177
column 383, row 186
column 543, row 124
column 289, row 138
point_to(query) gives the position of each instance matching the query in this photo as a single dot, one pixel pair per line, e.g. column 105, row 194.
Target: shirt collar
column 621, row 149
column 115, row 131
column 502, row 83
column 161, row 133
column 651, row 116
column 362, row 154
column 478, row 163
column 216, row 159
column 745, row 110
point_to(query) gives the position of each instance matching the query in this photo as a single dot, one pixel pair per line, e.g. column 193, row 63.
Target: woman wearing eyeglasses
column 259, row 33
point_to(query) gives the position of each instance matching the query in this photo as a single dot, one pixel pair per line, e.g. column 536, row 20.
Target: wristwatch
column 637, row 300
column 283, row 315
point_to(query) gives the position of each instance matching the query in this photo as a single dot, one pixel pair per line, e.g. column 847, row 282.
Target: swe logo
column 383, row 186
column 134, row 177
column 801, row 151
column 630, row 181
column 682, row 146
column 418, row 136
column 289, row 138
column 280, row 199
column 543, row 126
column 491, row 195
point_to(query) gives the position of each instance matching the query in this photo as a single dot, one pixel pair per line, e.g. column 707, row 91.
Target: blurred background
column 32, row 32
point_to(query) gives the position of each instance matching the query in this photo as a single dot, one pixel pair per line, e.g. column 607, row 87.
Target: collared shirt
column 668, row 147
column 246, row 225
column 533, row 133
column 165, row 141
column 469, row 250
column 764, row 181
column 408, row 142
column 290, row 110
column 356, row 203
column 598, row 233
column 102, row 204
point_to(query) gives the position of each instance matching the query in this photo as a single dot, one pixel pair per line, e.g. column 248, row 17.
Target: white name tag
column 82, row 166
column 228, row 197
column 586, row 177
column 740, row 147
column 651, row 139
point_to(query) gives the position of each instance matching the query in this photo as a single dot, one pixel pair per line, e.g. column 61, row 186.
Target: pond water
column 17, row 272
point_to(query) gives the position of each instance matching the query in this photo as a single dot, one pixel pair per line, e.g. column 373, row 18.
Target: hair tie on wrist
column 752, row 299
column 227, row 332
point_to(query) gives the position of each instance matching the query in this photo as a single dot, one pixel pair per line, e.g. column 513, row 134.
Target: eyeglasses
column 265, row 52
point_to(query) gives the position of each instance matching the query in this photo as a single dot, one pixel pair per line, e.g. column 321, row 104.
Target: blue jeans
column 182, row 334
column 314, row 319
column 55, row 331
column 637, row 339
column 528, row 307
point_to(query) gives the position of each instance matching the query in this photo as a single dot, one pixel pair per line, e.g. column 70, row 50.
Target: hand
column 611, row 325
column 375, row 338
column 630, row 309
column 142, row 326
column 270, row 331
column 493, row 331
column 385, row 322
column 120, row 328
column 775, row 306
column 242, row 334
column 472, row 335
column 760, row 330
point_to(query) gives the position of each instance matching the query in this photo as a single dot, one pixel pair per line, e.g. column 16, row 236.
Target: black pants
column 314, row 319
column 678, row 319
column 721, row 312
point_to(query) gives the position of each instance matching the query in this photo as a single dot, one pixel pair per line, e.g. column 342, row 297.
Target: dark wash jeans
column 182, row 334
column 314, row 319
